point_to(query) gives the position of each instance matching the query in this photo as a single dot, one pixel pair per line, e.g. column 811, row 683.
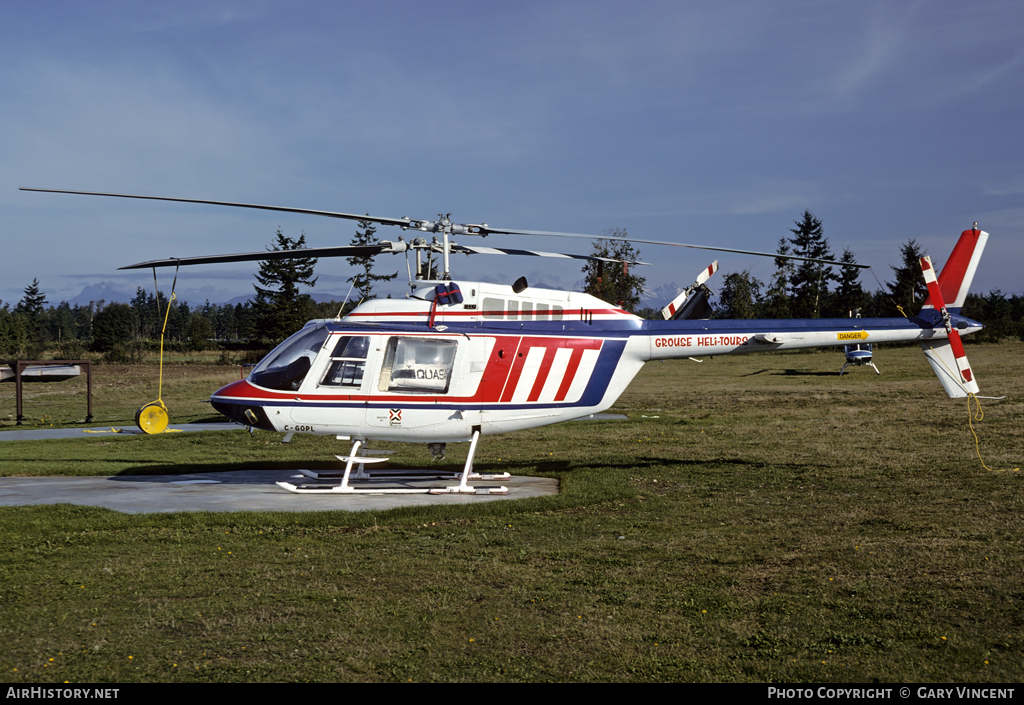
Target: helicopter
column 455, row 361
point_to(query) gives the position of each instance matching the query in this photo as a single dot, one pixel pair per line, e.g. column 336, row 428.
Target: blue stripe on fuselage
column 604, row 369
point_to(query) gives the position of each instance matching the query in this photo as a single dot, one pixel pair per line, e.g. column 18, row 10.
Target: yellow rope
column 153, row 417
column 975, row 416
column 971, row 416
column 160, row 387
column 978, row 416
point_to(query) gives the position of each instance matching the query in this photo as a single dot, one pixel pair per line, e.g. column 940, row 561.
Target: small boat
column 41, row 373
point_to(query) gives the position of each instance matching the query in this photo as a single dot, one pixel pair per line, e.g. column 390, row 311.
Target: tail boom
column 937, row 328
column 681, row 339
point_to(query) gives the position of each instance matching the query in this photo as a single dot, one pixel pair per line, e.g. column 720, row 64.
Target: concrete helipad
column 238, row 491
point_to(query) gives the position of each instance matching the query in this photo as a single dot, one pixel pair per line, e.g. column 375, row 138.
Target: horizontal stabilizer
column 944, row 363
column 779, row 337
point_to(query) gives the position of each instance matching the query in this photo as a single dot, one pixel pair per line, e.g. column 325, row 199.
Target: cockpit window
column 286, row 366
column 418, row 365
column 352, row 346
column 348, row 362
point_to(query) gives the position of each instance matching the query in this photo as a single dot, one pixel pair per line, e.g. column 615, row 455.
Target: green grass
column 756, row 519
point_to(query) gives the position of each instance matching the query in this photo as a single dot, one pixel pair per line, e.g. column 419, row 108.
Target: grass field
column 756, row 519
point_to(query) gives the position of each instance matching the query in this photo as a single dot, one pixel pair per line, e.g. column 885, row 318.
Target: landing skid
column 868, row 364
column 359, row 462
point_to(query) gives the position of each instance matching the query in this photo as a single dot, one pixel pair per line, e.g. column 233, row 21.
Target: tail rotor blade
column 953, row 344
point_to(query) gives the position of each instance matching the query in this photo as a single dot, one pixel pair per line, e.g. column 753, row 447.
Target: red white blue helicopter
column 455, row 361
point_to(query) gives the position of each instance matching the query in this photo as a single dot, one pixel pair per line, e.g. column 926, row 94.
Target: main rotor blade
column 401, row 222
column 545, row 233
column 475, row 229
column 472, row 249
column 348, row 251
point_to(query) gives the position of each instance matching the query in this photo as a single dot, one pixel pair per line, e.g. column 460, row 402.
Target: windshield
column 287, row 365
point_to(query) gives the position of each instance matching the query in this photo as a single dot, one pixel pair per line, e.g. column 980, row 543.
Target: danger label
column 854, row 335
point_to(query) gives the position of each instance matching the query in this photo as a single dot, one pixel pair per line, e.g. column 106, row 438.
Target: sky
column 714, row 123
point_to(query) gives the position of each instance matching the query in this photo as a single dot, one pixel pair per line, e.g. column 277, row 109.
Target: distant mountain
column 659, row 297
column 104, row 291
column 319, row 298
column 108, row 293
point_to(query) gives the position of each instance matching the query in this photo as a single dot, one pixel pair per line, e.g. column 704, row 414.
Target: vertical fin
column 947, row 357
column 956, row 276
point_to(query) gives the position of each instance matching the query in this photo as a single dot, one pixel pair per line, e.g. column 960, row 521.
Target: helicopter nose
column 231, row 402
column 245, row 414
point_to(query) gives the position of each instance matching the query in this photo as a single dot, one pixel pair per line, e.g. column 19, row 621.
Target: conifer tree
column 909, row 290
column 849, row 295
column 279, row 309
column 809, row 284
column 33, row 301
column 31, row 308
column 776, row 302
column 362, row 281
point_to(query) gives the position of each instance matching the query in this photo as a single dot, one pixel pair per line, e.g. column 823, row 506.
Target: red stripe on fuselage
column 498, row 383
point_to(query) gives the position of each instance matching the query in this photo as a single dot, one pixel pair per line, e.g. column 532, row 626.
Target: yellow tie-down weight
column 152, row 418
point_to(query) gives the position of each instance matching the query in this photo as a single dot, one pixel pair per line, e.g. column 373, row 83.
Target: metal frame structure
column 19, row 366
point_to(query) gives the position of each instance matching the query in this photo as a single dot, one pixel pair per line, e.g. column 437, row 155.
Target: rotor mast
column 446, row 228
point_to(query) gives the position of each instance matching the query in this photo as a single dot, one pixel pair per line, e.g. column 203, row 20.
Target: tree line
column 797, row 289
column 123, row 331
column 72, row 332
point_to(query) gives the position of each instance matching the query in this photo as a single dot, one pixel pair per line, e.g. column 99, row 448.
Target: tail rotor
column 947, row 357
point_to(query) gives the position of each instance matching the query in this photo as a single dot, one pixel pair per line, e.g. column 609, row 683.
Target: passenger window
column 348, row 362
column 513, row 310
column 542, row 312
column 345, row 373
column 556, row 313
column 417, row 365
column 494, row 308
